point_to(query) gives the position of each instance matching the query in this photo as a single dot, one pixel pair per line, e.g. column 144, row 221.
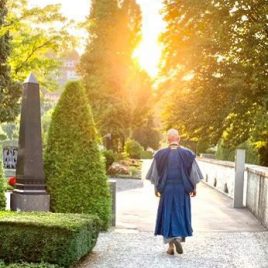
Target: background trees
column 9, row 90
column 118, row 90
column 38, row 38
column 215, row 64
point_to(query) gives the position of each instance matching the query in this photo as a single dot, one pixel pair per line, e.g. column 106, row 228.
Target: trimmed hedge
column 54, row 238
column 28, row 265
column 2, row 189
column 74, row 166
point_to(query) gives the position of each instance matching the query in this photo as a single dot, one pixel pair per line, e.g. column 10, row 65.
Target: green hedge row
column 54, row 238
column 28, row 265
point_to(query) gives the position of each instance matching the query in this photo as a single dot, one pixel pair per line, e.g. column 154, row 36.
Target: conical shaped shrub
column 75, row 172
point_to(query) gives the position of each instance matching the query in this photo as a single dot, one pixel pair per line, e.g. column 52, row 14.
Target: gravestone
column 30, row 192
column 9, row 157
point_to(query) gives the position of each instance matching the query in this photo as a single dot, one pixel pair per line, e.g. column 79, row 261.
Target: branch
column 34, row 49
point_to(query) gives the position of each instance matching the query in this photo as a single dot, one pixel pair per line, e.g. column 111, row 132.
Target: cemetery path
column 223, row 236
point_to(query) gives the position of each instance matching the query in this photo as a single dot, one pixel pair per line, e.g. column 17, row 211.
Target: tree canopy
column 215, row 70
column 118, row 90
column 9, row 90
column 39, row 35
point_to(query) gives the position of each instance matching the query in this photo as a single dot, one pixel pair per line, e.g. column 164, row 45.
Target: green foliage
column 47, row 237
column 214, row 59
column 133, row 149
column 2, row 188
column 3, row 135
column 74, row 168
column 46, row 119
column 35, row 41
column 109, row 158
column 134, row 171
column 28, row 265
column 9, row 90
column 147, row 135
column 118, row 90
column 225, row 153
column 11, row 129
column 146, row 155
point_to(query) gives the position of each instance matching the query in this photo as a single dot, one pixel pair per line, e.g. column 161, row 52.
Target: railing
column 221, row 176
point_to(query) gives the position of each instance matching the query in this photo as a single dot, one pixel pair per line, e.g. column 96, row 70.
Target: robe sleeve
column 196, row 175
column 152, row 174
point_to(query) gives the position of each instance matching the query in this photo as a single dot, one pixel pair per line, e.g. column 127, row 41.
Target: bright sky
column 148, row 52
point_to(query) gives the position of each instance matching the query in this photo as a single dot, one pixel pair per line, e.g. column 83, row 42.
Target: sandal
column 170, row 251
column 178, row 246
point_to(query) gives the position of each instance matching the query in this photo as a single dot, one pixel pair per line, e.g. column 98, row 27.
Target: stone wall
column 257, row 193
column 221, row 174
column 218, row 174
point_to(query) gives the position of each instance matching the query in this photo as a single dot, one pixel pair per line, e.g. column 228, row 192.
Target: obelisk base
column 29, row 202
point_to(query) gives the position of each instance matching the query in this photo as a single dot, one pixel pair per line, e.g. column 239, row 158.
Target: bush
column 146, row 155
column 2, row 189
column 28, row 265
column 225, row 153
column 133, row 149
column 109, row 158
column 49, row 237
column 74, row 167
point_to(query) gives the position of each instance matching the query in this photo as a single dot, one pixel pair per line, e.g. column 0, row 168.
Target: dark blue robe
column 174, row 210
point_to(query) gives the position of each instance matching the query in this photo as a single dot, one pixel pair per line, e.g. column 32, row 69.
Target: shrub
column 2, row 189
column 49, row 237
column 225, row 153
column 109, row 158
column 133, row 149
column 28, row 265
column 74, row 167
column 146, row 155
column 134, row 171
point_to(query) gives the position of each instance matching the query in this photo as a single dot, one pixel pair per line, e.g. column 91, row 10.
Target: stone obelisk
column 30, row 191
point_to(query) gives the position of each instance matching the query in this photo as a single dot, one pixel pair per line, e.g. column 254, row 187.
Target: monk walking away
column 174, row 173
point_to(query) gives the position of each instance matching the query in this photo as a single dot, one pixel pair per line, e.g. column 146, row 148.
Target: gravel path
column 118, row 249
column 223, row 236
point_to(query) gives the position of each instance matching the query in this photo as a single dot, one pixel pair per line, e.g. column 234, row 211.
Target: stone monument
column 30, row 191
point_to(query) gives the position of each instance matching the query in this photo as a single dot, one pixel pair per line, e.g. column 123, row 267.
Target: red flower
column 12, row 181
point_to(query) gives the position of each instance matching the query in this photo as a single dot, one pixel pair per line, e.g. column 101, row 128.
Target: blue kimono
column 173, row 178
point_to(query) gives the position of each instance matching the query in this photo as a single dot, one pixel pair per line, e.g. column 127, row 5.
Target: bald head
column 173, row 136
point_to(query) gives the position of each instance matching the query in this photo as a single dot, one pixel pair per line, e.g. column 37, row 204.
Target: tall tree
column 9, row 90
column 215, row 66
column 116, row 87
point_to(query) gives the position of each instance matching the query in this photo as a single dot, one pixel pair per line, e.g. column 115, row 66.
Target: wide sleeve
column 196, row 175
column 152, row 174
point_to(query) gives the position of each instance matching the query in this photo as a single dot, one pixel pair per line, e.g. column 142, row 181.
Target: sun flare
column 148, row 55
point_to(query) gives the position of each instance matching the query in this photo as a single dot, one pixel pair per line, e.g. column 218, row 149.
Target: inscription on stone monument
column 10, row 154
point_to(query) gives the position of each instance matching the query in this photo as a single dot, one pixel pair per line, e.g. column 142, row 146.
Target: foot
column 178, row 246
column 170, row 250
